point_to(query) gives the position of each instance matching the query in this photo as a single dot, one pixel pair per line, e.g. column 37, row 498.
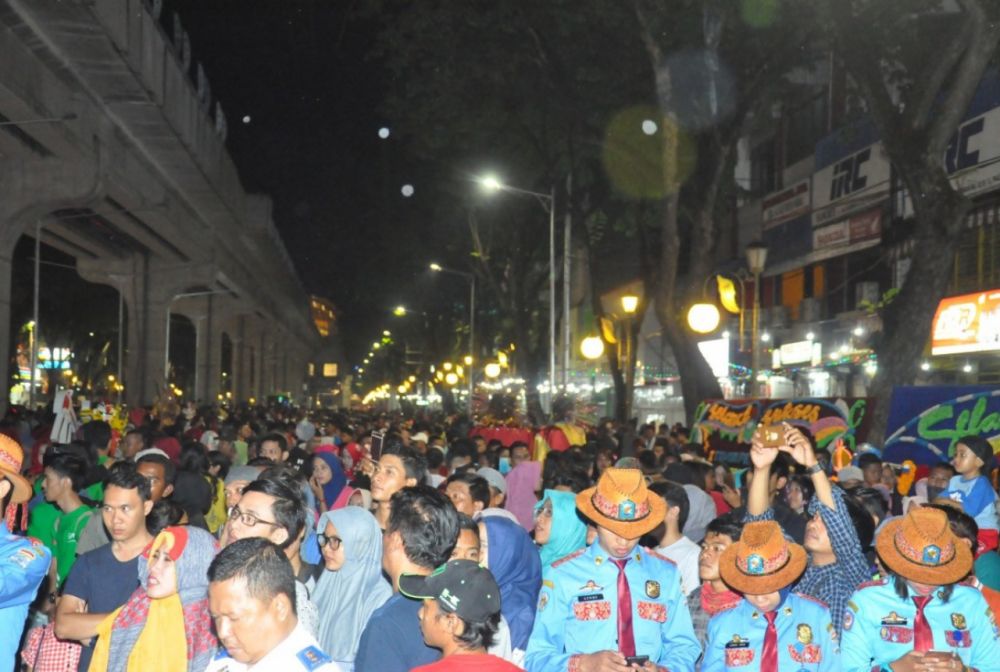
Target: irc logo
column 847, row 177
column 957, row 156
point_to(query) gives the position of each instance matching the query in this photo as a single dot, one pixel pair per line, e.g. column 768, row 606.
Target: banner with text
column 725, row 427
column 925, row 423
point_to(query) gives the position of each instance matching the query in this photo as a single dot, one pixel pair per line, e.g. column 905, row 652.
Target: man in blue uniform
column 24, row 562
column 613, row 606
column 919, row 617
column 771, row 628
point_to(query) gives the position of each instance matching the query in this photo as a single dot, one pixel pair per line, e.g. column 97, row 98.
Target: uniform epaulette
column 872, row 583
column 653, row 553
column 563, row 560
column 813, row 599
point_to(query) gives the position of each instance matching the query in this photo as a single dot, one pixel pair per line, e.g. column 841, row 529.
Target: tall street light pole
column 437, row 268
column 493, row 184
column 756, row 260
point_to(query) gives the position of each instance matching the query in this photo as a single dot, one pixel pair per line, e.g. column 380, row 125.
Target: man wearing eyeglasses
column 270, row 509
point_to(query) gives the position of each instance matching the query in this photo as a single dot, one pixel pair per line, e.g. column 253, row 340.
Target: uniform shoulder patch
column 563, row 560
column 658, row 556
column 311, row 658
column 816, row 600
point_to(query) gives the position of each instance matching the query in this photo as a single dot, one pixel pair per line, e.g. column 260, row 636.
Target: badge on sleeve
column 848, row 619
column 653, row 589
column 958, row 621
column 543, row 600
column 312, row 658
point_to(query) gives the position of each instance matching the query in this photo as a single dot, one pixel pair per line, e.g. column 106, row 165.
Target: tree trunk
column 938, row 212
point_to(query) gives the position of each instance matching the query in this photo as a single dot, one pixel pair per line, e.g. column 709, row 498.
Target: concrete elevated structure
column 112, row 150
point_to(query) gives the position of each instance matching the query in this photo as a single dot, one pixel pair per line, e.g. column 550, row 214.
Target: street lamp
column 756, row 260
column 438, row 268
column 630, row 303
column 703, row 318
column 491, row 183
column 399, row 311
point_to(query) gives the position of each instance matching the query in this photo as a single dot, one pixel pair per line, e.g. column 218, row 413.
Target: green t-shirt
column 242, row 455
column 67, row 532
column 42, row 522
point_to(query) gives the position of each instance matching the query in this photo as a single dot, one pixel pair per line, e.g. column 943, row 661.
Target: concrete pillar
column 213, row 383
column 29, row 191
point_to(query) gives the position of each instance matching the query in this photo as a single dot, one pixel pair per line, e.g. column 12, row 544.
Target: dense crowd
column 271, row 538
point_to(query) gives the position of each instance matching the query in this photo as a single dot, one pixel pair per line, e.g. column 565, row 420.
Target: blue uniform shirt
column 578, row 611
column 24, row 562
column 878, row 627
column 806, row 637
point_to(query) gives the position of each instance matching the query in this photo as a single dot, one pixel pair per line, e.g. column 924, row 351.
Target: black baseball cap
column 461, row 587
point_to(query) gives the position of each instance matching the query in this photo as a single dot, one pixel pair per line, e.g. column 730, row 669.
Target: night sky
column 299, row 70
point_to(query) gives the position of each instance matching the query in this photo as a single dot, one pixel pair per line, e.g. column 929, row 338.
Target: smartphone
column 772, row 436
column 378, row 438
column 636, row 661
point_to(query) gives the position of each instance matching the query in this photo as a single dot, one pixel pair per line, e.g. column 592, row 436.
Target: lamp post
column 592, row 348
column 437, row 268
column 493, row 184
column 630, row 303
column 756, row 260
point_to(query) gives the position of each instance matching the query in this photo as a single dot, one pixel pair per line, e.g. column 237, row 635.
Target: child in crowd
column 971, row 488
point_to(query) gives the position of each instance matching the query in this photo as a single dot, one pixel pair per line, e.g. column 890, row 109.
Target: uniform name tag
column 594, row 597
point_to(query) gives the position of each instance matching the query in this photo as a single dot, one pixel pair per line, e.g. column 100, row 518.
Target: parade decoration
column 725, row 427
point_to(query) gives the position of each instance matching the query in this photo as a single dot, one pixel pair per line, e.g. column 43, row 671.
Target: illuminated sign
column 798, row 352
column 967, row 323
column 329, row 370
column 716, row 353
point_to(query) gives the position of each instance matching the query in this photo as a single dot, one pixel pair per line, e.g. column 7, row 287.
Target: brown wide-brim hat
column 11, row 459
column 921, row 547
column 621, row 503
column 762, row 561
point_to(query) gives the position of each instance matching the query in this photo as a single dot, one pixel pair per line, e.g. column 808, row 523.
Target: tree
column 719, row 67
column 916, row 96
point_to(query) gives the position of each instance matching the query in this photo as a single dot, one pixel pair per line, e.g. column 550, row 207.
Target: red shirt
column 478, row 662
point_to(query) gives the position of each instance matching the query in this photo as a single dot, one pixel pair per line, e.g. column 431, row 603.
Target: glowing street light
column 703, row 318
column 592, row 347
column 492, row 370
column 399, row 311
column 630, row 302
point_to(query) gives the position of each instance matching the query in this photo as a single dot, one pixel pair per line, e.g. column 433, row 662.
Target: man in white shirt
column 251, row 595
column 674, row 544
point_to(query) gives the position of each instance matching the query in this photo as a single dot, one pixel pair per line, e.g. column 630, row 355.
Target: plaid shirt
column 834, row 583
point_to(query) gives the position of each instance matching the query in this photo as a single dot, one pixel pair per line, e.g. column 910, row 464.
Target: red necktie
column 923, row 638
column 626, row 640
column 769, row 655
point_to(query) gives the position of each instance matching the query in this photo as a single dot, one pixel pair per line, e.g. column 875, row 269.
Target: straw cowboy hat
column 921, row 547
column 620, row 502
column 11, row 459
column 762, row 561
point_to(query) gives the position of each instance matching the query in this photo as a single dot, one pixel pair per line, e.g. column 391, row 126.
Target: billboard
column 725, row 427
column 967, row 323
column 925, row 423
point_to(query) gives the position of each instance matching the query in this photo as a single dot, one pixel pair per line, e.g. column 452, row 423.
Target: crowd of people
column 271, row 538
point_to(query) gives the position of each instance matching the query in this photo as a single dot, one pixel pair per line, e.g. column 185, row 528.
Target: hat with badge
column 11, row 459
column 461, row 587
column 762, row 561
column 621, row 503
column 921, row 547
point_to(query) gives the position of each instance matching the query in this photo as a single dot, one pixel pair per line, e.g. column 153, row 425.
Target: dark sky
column 299, row 70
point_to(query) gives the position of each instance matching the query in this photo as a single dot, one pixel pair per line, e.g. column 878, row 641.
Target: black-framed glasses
column 248, row 519
column 332, row 541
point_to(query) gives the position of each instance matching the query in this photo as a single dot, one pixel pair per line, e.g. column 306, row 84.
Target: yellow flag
column 608, row 331
column 727, row 294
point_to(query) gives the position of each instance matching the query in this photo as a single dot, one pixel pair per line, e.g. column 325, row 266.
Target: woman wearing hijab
column 558, row 529
column 168, row 613
column 522, row 483
column 328, row 482
column 509, row 553
column 351, row 586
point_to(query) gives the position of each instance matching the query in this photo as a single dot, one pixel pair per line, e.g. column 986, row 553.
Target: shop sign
column 856, row 229
column 800, row 352
column 782, row 206
column 850, row 183
column 926, row 423
column 967, row 323
column 725, row 427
